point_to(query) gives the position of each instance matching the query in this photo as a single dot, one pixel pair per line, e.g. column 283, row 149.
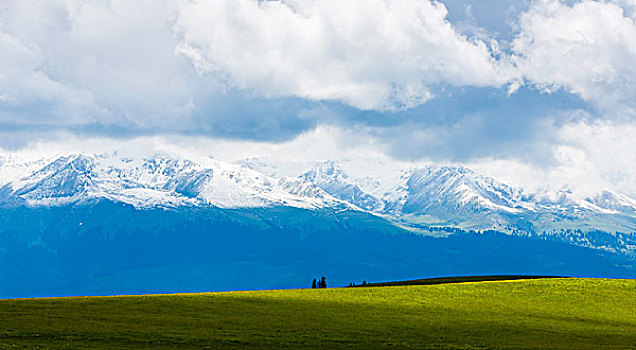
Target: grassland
column 526, row 314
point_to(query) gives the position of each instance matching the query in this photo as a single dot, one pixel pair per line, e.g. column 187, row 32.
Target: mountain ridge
column 87, row 224
column 159, row 180
column 423, row 198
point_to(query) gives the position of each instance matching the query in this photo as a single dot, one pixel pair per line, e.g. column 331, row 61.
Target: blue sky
column 546, row 85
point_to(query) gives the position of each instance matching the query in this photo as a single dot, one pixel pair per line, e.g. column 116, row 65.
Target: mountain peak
column 159, row 180
column 330, row 177
column 326, row 169
column 615, row 201
column 463, row 183
column 432, row 195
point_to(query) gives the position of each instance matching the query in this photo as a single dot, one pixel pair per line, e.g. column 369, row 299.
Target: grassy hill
column 558, row 313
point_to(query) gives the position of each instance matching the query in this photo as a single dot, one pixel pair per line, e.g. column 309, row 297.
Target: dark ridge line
column 459, row 279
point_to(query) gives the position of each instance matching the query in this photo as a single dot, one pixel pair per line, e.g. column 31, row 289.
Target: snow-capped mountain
column 611, row 200
column 330, row 177
column 452, row 195
column 426, row 196
column 86, row 217
column 445, row 195
column 159, row 181
column 455, row 194
column 434, row 198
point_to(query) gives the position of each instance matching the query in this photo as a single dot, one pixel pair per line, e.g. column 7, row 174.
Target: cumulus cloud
column 588, row 157
column 587, row 48
column 68, row 63
column 370, row 54
column 403, row 79
column 101, row 65
column 28, row 94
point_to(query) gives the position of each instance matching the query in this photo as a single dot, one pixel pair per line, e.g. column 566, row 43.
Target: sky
column 535, row 93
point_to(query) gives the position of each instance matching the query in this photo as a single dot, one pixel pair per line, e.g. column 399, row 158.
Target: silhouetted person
column 323, row 282
column 313, row 284
column 364, row 283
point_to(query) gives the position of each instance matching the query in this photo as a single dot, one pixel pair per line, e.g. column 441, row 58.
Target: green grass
column 526, row 314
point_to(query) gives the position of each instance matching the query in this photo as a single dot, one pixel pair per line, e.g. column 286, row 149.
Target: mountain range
column 55, row 197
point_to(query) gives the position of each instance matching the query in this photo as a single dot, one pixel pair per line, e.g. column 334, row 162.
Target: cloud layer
column 588, row 48
column 72, row 62
column 371, row 54
column 80, row 63
column 450, row 81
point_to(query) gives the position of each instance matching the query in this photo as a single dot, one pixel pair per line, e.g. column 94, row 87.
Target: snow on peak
column 613, row 201
column 160, row 180
column 451, row 194
column 330, row 177
column 430, row 187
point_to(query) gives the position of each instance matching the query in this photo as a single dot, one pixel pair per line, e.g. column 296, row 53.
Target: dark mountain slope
column 110, row 248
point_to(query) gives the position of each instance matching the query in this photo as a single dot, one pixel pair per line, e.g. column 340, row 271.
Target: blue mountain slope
column 107, row 247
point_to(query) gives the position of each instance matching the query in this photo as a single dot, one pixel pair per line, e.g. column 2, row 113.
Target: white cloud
column 588, row 157
column 77, row 62
column 587, row 48
column 372, row 54
column 73, row 62
column 26, row 90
